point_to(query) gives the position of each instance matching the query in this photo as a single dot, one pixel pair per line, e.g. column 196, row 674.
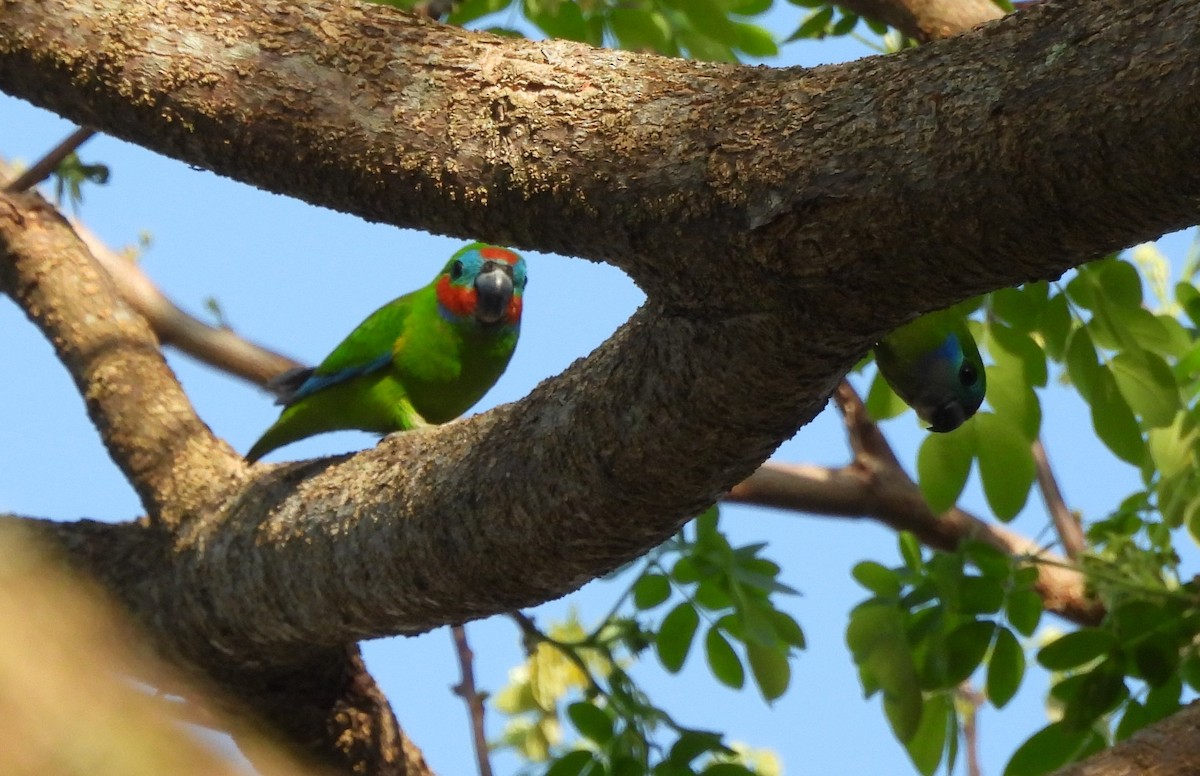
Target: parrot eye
column 968, row 375
column 456, row 270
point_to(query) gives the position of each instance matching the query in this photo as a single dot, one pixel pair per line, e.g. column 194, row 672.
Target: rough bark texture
column 778, row 220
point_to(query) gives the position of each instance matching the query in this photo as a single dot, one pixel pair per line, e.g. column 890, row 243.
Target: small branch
column 466, row 690
column 970, row 702
column 1066, row 523
column 216, row 346
column 49, row 163
column 875, row 486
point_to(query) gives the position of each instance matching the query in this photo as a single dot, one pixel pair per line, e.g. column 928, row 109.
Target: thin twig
column 1066, row 523
column 973, row 699
column 466, row 690
column 49, row 163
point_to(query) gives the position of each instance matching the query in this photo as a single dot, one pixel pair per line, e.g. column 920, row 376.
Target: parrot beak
column 494, row 290
column 947, row 417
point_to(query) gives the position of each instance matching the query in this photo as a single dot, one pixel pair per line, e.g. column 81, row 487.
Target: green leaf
column 814, row 26
column 591, row 721
column 1083, row 366
column 750, row 7
column 1148, row 384
column 1010, row 346
column 943, row 463
column 1114, row 421
column 771, row 670
column 910, row 550
column 990, row 561
column 981, row 595
column 1014, row 400
column 651, row 590
column 1021, row 307
column 927, row 744
column 965, row 647
column 1076, row 649
column 1006, row 465
column 640, row 30
column 1133, row 720
column 1172, row 448
column 877, row 578
column 755, row 41
column 845, row 25
column 1006, row 668
column 1048, row 750
column 880, row 649
column 571, row 764
column 787, row 629
column 558, row 20
column 1098, row 692
column 882, row 401
column 1056, row 326
column 722, row 660
column 1024, row 610
column 675, row 636
column 1119, row 281
column 693, row 743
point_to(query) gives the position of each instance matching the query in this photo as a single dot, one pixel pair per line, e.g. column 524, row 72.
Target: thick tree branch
column 1166, row 748
column 520, row 141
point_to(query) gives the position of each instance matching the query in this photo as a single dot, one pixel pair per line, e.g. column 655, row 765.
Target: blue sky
column 297, row 278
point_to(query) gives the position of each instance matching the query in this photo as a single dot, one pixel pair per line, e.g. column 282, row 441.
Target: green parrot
column 933, row 365
column 423, row 358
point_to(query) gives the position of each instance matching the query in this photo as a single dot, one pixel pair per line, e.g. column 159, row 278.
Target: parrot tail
column 285, row 384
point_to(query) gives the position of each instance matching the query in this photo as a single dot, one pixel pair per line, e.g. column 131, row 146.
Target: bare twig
column 466, row 690
column 49, row 163
column 1066, row 523
column 972, row 700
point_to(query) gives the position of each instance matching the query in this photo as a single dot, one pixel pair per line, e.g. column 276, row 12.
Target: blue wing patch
column 316, row 382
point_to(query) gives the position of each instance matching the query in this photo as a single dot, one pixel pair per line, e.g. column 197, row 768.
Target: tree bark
column 779, row 221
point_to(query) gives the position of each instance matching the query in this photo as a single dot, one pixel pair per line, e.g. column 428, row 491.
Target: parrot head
column 935, row 367
column 484, row 283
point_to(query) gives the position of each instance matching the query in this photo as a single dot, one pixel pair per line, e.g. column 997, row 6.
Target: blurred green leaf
column 675, row 636
column 943, row 463
column 1076, row 649
column 965, row 647
column 1006, row 465
column 1114, row 421
column 770, row 667
column 1048, row 750
column 877, row 578
column 1006, row 668
column 1024, row 610
column 722, row 660
column 814, row 25
column 591, row 721
column 1146, row 382
column 651, row 590
column 928, row 743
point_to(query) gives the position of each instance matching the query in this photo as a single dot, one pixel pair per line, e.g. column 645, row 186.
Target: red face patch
column 498, row 254
column 514, row 310
column 457, row 300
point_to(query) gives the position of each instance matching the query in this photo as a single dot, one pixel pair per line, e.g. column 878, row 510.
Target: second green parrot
column 423, row 358
column 933, row 364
